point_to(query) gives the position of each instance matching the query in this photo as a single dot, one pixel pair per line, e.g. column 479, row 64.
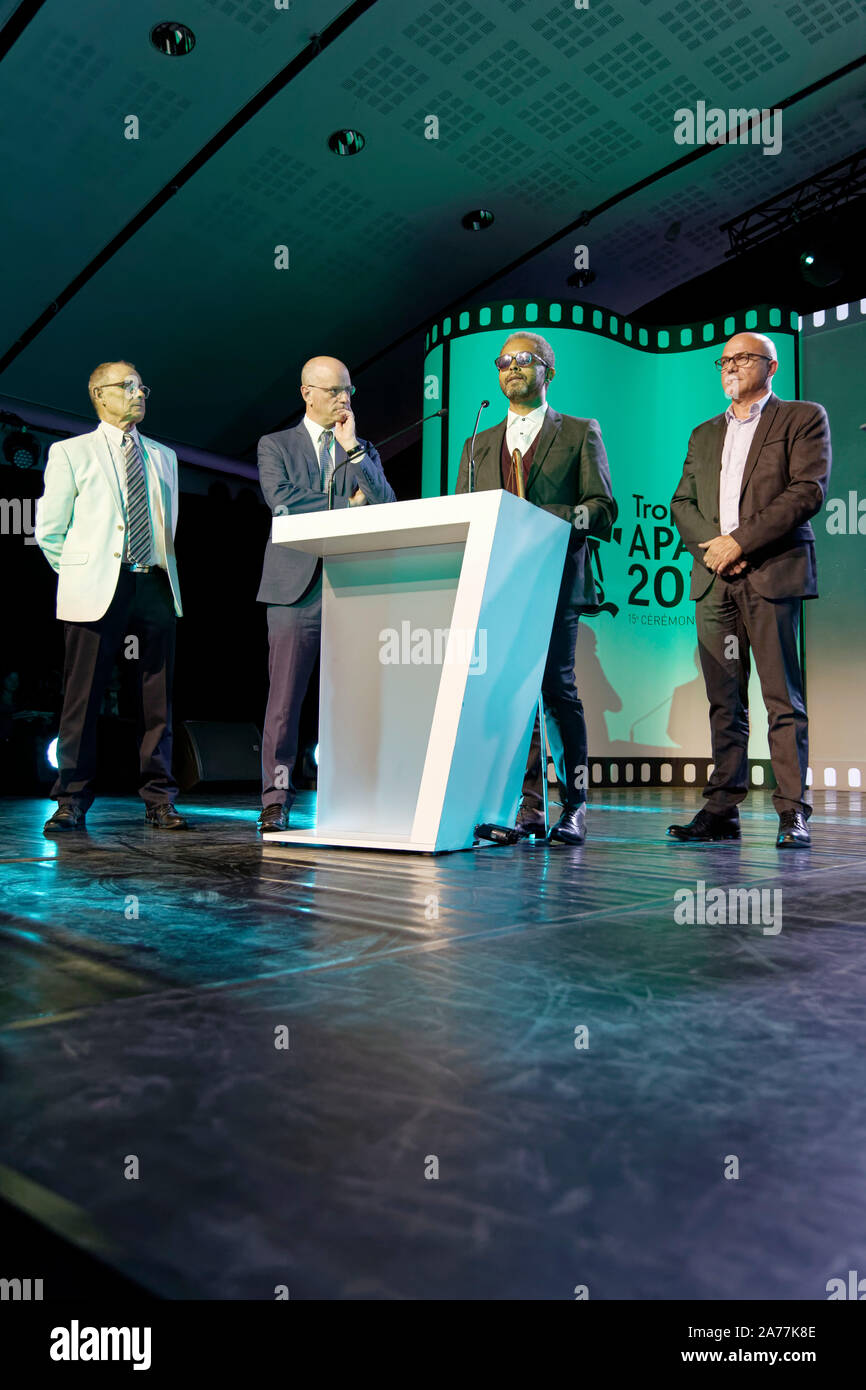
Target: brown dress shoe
column 164, row 816
column 68, row 816
column 274, row 818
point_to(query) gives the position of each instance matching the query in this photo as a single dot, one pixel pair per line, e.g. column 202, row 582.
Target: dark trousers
column 769, row 628
column 294, row 636
column 143, row 608
column 563, row 713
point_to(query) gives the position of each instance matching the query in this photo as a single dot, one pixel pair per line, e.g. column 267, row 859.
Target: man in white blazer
column 106, row 524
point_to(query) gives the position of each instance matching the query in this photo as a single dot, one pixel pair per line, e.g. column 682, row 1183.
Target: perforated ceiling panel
column 449, row 29
column 629, row 64
column 457, row 120
column 572, row 41
column 385, row 80
column 67, row 86
column 543, row 110
column 250, row 15
column 158, row 106
column 753, row 55
column 698, row 26
column 821, row 17
column 543, row 115
column 509, row 67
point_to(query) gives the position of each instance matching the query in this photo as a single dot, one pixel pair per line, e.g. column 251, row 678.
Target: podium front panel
column 385, row 619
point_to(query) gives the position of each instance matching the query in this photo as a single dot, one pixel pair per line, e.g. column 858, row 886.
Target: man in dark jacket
column 752, row 479
column 564, row 470
column 295, row 469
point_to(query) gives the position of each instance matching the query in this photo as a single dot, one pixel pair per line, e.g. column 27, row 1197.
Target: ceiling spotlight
column 21, row 449
column 579, row 279
column 346, row 142
column 477, row 221
column 173, row 39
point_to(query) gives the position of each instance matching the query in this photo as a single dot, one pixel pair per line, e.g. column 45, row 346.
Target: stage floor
column 432, row 1006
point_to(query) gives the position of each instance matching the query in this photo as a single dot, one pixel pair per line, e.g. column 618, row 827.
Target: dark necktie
column 326, row 463
column 139, row 538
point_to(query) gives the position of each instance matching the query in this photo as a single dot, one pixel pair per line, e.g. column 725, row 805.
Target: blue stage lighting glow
column 51, row 753
column 316, row 755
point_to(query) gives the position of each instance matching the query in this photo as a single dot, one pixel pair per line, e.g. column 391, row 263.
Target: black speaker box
column 207, row 751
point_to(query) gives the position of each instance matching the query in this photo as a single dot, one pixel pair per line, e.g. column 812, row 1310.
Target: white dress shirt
column 114, row 437
column 521, row 430
column 738, row 441
column 315, row 432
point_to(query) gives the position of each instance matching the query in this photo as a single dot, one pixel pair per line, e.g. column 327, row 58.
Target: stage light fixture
column 346, row 142
column 173, row 39
column 819, row 268
column 51, row 753
column 21, row 449
column 478, row 221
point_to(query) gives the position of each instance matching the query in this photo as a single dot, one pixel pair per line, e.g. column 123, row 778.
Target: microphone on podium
column 422, row 420
column 471, row 483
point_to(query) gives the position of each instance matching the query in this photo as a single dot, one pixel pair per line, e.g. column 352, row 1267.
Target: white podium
column 436, row 618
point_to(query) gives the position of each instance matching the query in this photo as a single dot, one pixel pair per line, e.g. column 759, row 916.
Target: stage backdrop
column 637, row 659
column 833, row 352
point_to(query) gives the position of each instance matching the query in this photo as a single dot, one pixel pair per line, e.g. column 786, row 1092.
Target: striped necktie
column 139, row 538
column 326, row 463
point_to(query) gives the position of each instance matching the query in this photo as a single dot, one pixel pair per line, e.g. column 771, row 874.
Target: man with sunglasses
column 564, row 470
column 299, row 469
column 752, row 479
column 106, row 524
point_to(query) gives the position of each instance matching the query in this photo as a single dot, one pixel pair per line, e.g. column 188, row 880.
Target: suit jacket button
column 117, row 554
column 120, row 528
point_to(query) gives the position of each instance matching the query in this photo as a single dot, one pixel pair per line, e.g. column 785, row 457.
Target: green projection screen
column 636, row 660
column 833, row 352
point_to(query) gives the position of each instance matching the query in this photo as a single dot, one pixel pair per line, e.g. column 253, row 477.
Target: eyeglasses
column 520, row 359
column 740, row 359
column 129, row 386
column 335, row 391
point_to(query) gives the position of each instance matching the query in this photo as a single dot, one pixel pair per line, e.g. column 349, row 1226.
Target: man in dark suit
column 295, row 468
column 564, row 470
column 752, row 479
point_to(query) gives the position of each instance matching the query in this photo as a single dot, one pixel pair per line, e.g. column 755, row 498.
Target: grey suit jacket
column 569, row 468
column 784, row 484
column 291, row 483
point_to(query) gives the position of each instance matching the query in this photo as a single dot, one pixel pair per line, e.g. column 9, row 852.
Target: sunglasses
column 520, row 359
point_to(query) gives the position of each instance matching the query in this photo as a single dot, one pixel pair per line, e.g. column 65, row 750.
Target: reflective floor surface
column 502, row 1074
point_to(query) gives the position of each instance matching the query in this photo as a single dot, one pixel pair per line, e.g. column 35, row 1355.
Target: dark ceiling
column 544, row 111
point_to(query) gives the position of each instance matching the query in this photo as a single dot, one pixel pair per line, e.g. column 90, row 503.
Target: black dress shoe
column 165, row 816
column 68, row 816
column 706, row 826
column 793, row 830
column 571, row 826
column 274, row 818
